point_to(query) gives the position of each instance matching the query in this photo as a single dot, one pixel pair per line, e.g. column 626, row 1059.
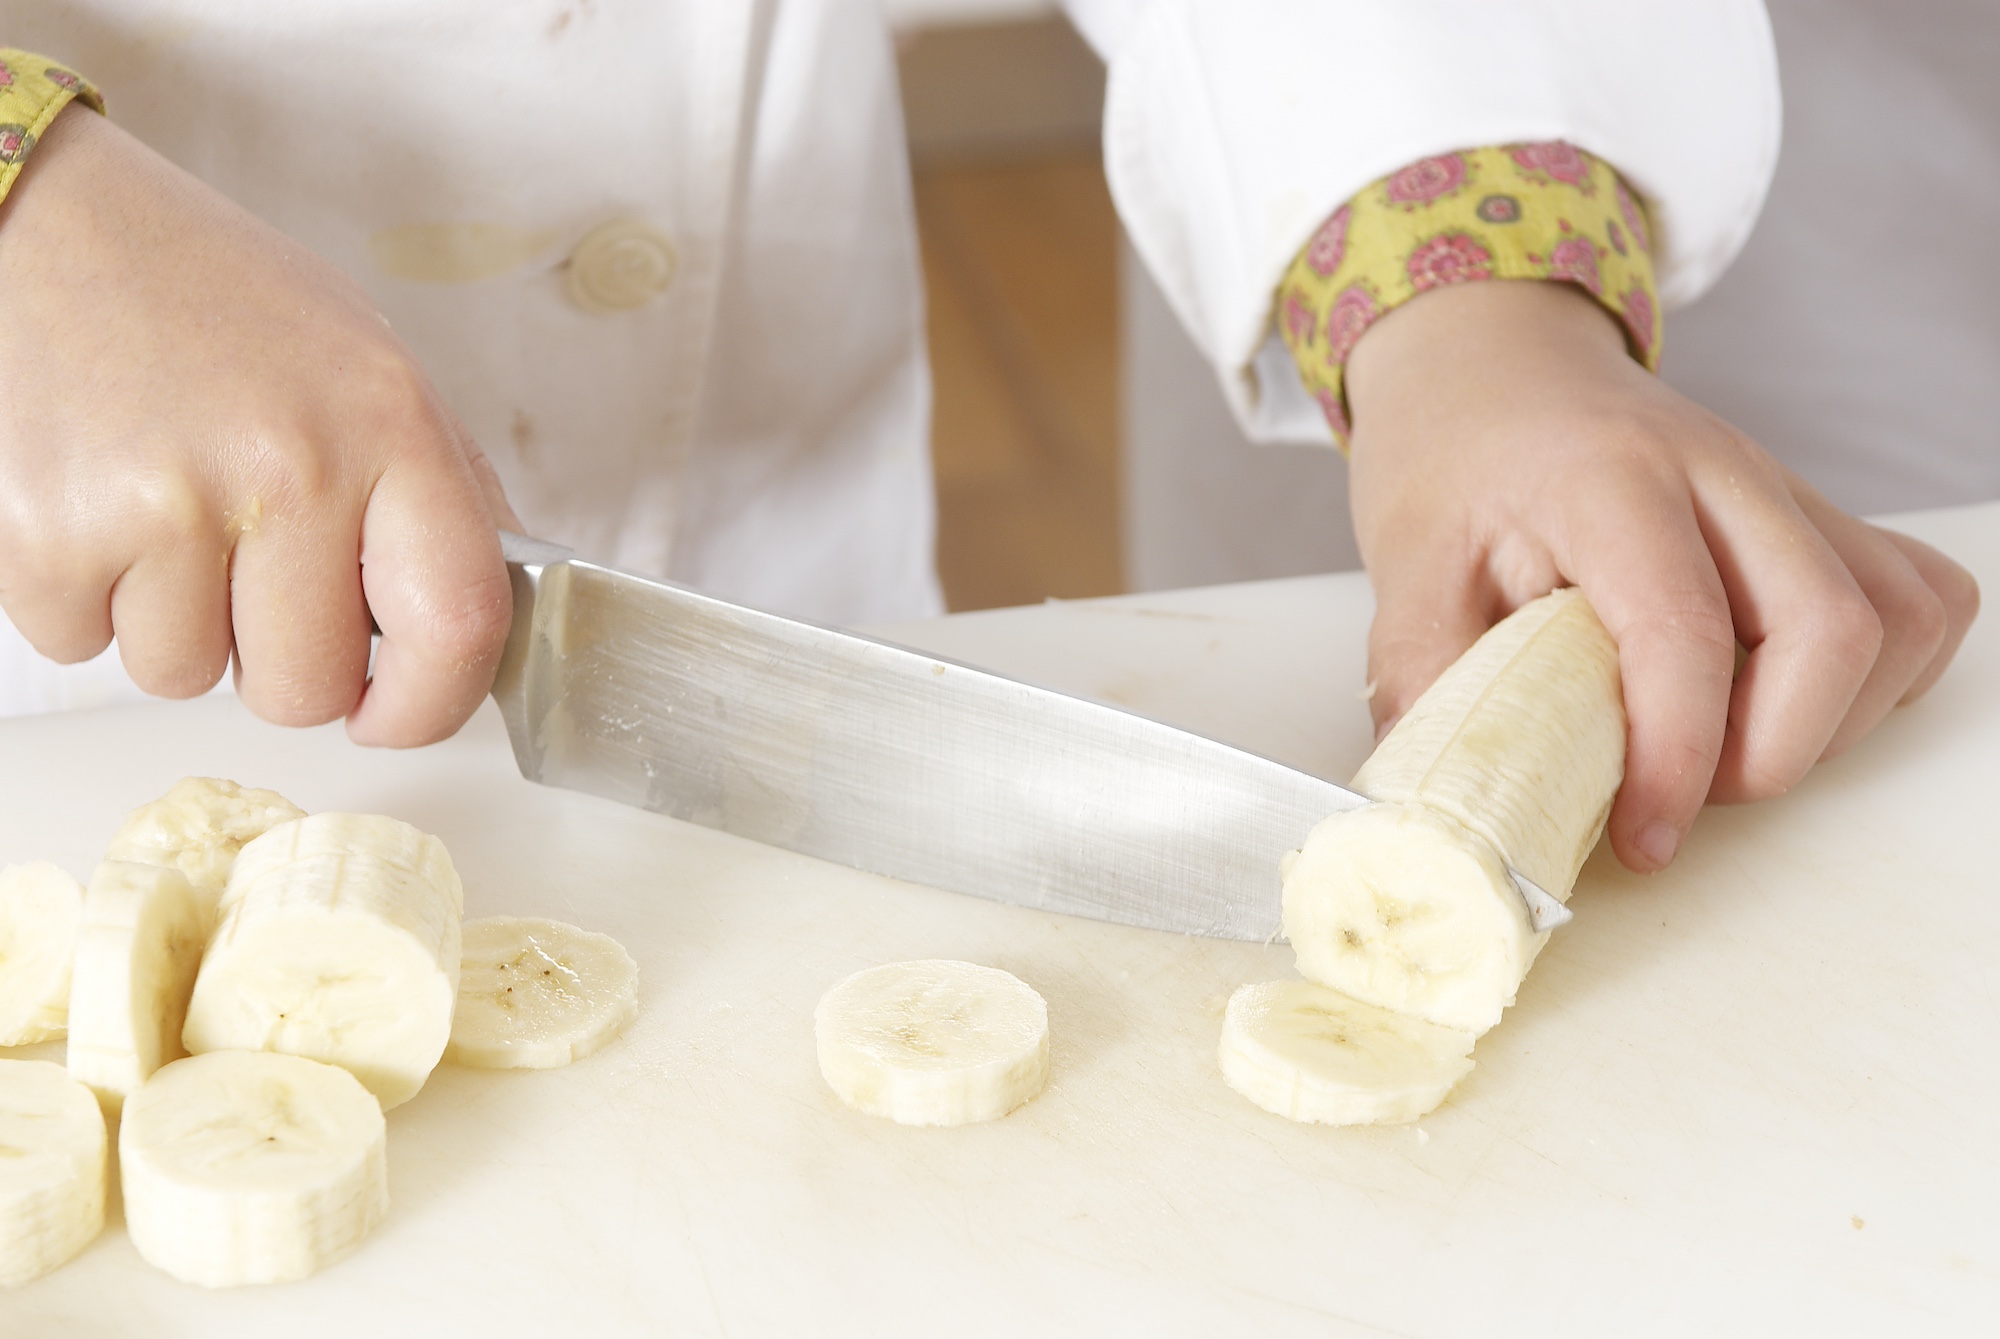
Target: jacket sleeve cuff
column 32, row 90
column 1521, row 211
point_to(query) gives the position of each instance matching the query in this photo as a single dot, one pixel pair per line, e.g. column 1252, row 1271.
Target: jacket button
column 620, row 266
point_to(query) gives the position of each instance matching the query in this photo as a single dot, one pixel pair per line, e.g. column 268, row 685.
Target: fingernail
column 1658, row 842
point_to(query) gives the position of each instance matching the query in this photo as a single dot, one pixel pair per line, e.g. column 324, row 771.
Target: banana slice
column 535, row 994
column 339, row 941
column 934, row 1042
column 52, row 1146
column 137, row 951
column 251, row 1167
column 1511, row 758
column 1399, row 906
column 197, row 827
column 1311, row 1054
column 40, row 908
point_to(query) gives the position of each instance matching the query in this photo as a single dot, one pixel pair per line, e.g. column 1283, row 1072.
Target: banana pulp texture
column 40, row 909
column 934, row 1042
column 535, row 994
column 251, row 1167
column 1312, row 1054
column 1511, row 758
column 339, row 941
column 137, row 951
column 198, row 827
column 52, row 1147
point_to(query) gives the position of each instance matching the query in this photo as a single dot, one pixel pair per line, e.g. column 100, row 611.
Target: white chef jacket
column 748, row 411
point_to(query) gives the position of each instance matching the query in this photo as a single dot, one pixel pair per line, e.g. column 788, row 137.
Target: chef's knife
column 893, row 760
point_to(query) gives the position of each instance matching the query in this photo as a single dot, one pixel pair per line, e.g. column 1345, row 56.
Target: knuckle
column 1921, row 622
column 1693, row 618
column 1850, row 630
column 470, row 629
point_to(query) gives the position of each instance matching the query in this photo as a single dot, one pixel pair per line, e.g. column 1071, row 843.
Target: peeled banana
column 1313, row 1054
column 1513, row 758
column 535, row 994
column 339, row 941
column 137, row 951
column 197, row 827
column 251, row 1167
column 40, row 909
column 933, row 1042
column 52, row 1175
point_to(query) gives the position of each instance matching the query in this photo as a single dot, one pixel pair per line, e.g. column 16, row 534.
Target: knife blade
column 894, row 760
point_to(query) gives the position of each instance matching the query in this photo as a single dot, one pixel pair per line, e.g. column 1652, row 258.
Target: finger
column 1811, row 633
column 1956, row 590
column 1912, row 614
column 438, row 587
column 300, row 622
column 63, row 609
column 170, row 611
column 1430, row 605
column 1646, row 569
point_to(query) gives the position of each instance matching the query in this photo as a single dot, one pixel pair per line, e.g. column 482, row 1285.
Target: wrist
column 1464, row 336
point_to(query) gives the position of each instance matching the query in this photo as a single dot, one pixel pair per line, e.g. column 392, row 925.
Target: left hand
column 1505, row 444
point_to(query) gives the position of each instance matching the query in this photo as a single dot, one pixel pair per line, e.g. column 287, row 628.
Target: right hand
column 212, row 443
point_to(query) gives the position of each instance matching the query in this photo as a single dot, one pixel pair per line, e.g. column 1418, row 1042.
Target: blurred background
column 1082, row 447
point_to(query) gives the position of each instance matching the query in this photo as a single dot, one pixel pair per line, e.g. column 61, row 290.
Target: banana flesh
column 251, row 1167
column 40, row 909
column 137, row 951
column 933, row 1042
column 1512, row 757
column 1521, row 740
column 52, row 1174
column 536, row 994
column 1402, row 908
column 339, row 941
column 198, row 827
column 1312, row 1054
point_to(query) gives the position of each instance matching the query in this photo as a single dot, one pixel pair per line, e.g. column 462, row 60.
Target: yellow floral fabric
column 32, row 90
column 1515, row 211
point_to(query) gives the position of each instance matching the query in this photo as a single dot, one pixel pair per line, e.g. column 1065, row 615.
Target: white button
column 620, row 266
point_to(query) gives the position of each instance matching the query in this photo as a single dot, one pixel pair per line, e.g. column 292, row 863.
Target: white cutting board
column 1755, row 1095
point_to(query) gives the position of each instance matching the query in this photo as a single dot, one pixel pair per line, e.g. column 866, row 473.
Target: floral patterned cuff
column 32, row 90
column 1517, row 211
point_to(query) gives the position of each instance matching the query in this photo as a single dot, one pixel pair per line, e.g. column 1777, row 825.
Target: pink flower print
column 1329, row 245
column 1556, row 159
column 1617, row 236
column 6, row 74
column 1426, row 179
column 62, row 78
column 1638, row 309
column 1336, row 417
column 1298, row 319
column 1575, row 259
column 15, row 142
column 1352, row 313
column 1635, row 219
column 1499, row 209
column 1448, row 258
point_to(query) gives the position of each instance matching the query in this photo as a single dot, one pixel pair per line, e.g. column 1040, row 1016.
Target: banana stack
column 247, row 988
column 1410, row 934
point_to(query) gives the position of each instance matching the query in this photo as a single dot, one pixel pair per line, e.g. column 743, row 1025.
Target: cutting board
column 1753, row 1095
